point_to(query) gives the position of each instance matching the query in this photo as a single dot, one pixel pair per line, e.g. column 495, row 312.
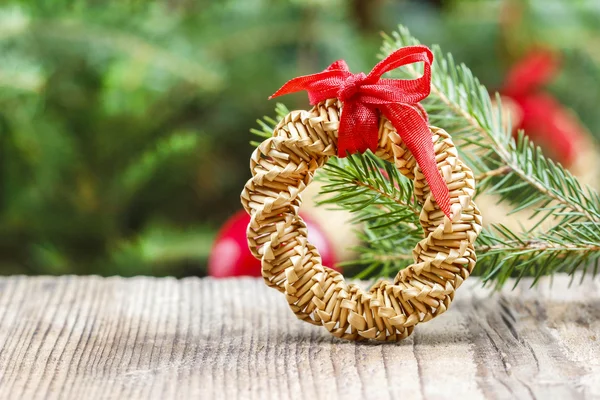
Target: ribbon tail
column 414, row 131
column 358, row 130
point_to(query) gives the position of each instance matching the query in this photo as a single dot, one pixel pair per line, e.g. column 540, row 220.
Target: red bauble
column 543, row 118
column 230, row 255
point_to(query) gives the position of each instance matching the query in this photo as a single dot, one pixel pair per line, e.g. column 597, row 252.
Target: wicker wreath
column 283, row 165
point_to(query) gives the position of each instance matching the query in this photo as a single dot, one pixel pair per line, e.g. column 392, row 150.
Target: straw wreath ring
column 352, row 113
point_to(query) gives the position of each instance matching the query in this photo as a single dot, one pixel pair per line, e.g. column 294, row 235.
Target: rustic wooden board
column 140, row 338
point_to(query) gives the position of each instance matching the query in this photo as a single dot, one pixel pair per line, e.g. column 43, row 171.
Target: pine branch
column 460, row 104
column 517, row 172
column 500, row 171
column 514, row 169
column 505, row 254
column 378, row 197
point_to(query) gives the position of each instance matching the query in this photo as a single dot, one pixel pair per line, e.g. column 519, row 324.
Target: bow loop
column 365, row 97
column 404, row 56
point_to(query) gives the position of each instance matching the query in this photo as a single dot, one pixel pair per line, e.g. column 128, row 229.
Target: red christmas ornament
column 546, row 121
column 230, row 255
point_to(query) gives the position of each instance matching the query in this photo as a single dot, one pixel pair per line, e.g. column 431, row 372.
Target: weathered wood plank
column 139, row 338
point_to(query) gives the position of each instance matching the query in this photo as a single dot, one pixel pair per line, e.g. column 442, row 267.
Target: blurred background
column 124, row 125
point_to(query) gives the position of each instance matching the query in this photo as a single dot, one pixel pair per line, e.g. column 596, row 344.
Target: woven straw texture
column 283, row 165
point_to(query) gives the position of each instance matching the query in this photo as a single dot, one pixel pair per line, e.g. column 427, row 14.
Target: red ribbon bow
column 365, row 96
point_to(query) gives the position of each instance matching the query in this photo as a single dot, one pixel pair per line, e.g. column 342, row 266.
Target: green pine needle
column 513, row 169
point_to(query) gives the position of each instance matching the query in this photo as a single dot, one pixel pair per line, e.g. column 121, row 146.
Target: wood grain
column 148, row 338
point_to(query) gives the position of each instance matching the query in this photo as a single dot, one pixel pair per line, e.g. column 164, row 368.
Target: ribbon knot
column 366, row 97
column 350, row 86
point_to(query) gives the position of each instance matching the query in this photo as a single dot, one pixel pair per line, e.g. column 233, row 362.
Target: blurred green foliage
column 124, row 124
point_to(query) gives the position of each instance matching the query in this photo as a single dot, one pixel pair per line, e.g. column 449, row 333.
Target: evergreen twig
column 513, row 169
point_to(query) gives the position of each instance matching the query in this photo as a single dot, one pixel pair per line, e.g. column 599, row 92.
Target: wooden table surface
column 141, row 338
